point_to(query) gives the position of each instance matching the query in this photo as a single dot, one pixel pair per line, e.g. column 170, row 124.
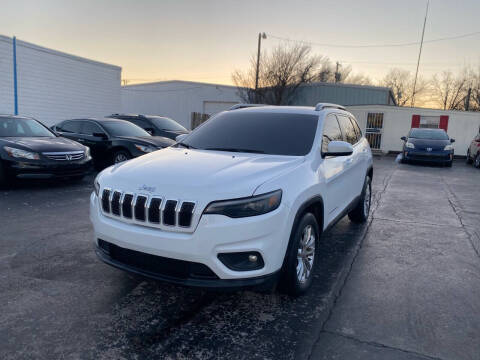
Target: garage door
column 213, row 107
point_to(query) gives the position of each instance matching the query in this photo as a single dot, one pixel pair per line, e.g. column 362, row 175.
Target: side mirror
column 180, row 137
column 339, row 148
column 149, row 130
column 404, row 138
column 452, row 140
column 100, row 135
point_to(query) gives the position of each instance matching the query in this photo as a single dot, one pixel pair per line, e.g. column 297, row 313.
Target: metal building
column 52, row 85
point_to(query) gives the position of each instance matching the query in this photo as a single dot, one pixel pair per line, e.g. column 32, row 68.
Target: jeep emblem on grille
column 147, row 188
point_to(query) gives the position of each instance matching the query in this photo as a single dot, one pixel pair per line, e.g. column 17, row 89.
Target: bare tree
column 358, row 79
column 449, row 90
column 283, row 71
column 401, row 82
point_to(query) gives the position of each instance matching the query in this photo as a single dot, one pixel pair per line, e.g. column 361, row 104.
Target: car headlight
column 145, row 149
column 87, row 153
column 448, row 147
column 18, row 153
column 409, row 145
column 251, row 206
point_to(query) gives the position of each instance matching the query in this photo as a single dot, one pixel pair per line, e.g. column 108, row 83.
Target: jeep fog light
column 242, row 261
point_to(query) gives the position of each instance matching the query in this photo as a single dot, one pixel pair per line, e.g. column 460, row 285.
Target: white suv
column 240, row 201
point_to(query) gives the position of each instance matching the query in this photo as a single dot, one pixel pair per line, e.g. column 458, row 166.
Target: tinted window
column 356, row 128
column 331, row 132
column 348, row 131
column 70, row 126
column 253, row 131
column 18, row 127
column 164, row 123
column 89, row 128
column 142, row 123
column 123, row 128
column 428, row 134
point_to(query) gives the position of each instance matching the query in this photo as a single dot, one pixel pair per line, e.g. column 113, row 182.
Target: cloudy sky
column 206, row 40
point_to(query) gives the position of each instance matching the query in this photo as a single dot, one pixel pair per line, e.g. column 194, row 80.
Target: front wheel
column 477, row 160
column 469, row 158
column 3, row 176
column 360, row 213
column 120, row 156
column 301, row 257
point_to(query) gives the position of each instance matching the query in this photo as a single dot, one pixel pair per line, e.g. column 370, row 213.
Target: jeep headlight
column 145, row 149
column 251, row 206
column 21, row 154
column 448, row 147
column 409, row 145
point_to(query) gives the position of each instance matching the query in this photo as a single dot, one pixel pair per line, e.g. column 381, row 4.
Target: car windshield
column 123, row 128
column 22, row 127
column 256, row 132
column 164, row 123
column 428, row 134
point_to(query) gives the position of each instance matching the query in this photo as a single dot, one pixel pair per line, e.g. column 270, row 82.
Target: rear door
column 354, row 167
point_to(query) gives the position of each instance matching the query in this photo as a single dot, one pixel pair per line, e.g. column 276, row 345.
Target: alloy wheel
column 368, row 199
column 306, row 254
column 120, row 158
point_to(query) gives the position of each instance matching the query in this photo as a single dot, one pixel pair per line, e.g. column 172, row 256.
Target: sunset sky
column 207, row 40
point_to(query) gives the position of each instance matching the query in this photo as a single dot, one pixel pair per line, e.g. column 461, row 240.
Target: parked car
column 428, row 145
column 473, row 152
column 111, row 141
column 154, row 125
column 240, row 201
column 30, row 150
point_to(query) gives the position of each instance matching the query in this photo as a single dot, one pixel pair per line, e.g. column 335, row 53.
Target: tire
column 477, row 160
column 469, row 158
column 77, row 178
column 301, row 257
column 449, row 164
column 120, row 156
column 361, row 211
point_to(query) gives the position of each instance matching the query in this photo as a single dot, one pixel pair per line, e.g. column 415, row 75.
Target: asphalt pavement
column 406, row 285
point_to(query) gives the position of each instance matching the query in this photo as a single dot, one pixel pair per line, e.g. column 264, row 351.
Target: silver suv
column 473, row 152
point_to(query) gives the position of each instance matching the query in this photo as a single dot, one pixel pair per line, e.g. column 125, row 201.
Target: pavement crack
column 380, row 345
column 417, row 223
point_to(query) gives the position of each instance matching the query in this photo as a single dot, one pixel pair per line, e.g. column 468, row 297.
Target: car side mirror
column 452, row 140
column 180, row 137
column 339, row 148
column 100, row 135
column 404, row 138
column 149, row 130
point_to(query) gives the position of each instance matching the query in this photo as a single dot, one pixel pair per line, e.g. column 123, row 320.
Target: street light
column 260, row 37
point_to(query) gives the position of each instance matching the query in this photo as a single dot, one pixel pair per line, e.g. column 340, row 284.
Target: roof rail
column 242, row 106
column 321, row 106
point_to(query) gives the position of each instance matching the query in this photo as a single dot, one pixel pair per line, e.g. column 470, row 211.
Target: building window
column 374, row 128
column 430, row 122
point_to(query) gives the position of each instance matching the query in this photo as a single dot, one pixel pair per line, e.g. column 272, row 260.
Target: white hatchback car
column 240, row 201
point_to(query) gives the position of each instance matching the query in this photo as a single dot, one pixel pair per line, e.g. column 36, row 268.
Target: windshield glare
column 123, row 128
column 428, row 134
column 17, row 127
column 164, row 123
column 256, row 132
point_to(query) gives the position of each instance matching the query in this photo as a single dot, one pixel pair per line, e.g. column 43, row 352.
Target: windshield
column 21, row 127
column 164, row 123
column 428, row 134
column 256, row 132
column 123, row 128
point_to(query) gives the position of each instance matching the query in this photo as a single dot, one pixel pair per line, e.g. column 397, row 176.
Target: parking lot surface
column 404, row 286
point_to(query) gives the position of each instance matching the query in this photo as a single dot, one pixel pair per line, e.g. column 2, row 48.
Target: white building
column 178, row 99
column 53, row 86
column 384, row 125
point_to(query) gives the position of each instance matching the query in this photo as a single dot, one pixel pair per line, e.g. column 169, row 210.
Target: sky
column 207, row 40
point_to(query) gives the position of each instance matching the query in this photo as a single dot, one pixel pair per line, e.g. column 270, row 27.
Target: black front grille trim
column 186, row 213
column 140, row 207
column 127, row 206
column 169, row 212
column 106, row 200
column 154, row 210
column 115, row 204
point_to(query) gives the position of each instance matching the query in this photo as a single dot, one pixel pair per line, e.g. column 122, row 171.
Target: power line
column 375, row 45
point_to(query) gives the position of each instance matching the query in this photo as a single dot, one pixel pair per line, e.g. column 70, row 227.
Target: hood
column 43, row 144
column 422, row 144
column 157, row 141
column 197, row 174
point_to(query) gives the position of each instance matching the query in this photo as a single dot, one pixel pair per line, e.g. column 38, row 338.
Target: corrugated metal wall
column 342, row 94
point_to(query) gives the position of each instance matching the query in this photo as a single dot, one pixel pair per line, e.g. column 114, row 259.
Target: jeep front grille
column 147, row 210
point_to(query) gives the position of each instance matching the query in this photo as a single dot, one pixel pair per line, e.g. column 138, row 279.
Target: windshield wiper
column 185, row 145
column 237, row 150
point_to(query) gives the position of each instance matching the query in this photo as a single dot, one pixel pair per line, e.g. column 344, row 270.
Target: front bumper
column 441, row 156
column 47, row 169
column 266, row 234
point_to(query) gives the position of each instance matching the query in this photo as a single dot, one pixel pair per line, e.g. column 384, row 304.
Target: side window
column 142, row 123
column 89, row 128
column 70, row 127
column 348, row 131
column 357, row 128
column 331, row 132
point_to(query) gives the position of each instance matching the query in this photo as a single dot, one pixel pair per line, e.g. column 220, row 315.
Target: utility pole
column 337, row 74
column 419, row 55
column 15, row 84
column 467, row 99
column 260, row 37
